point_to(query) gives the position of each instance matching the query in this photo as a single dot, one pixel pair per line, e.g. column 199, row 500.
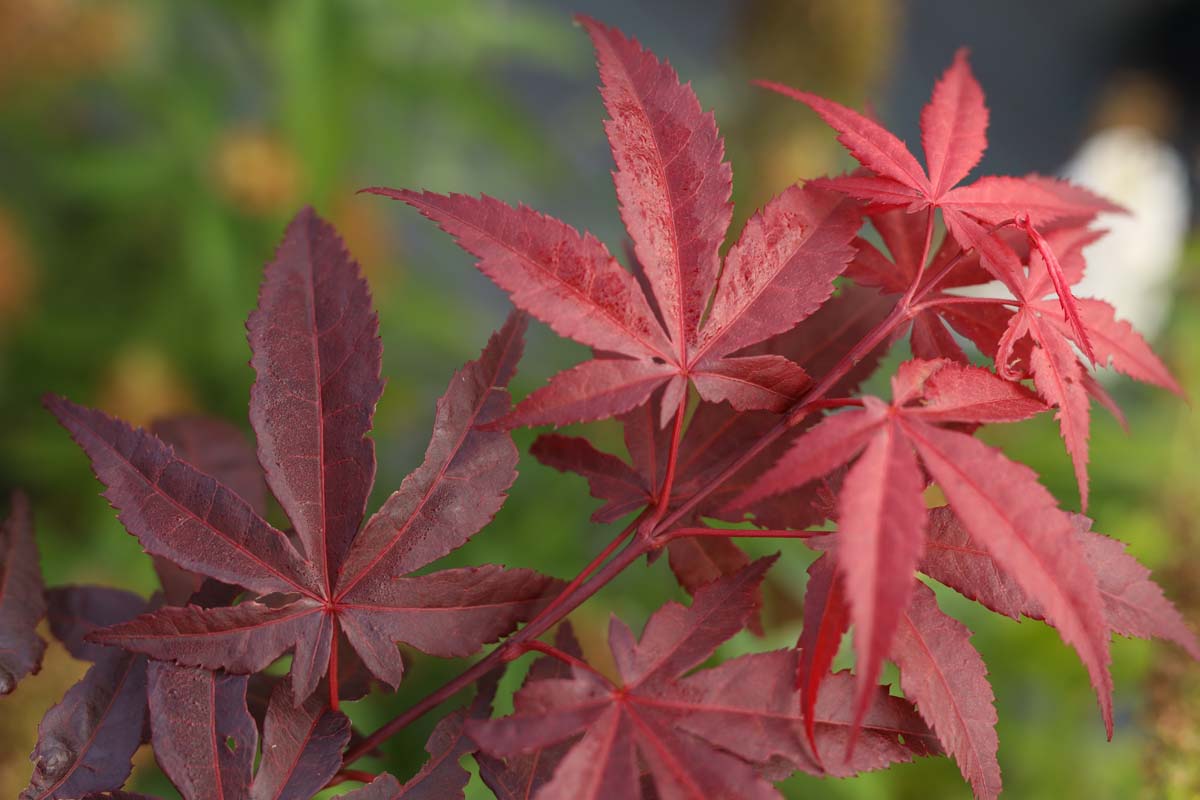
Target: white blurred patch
column 1131, row 267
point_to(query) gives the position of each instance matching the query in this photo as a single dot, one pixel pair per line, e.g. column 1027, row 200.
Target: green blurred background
column 151, row 152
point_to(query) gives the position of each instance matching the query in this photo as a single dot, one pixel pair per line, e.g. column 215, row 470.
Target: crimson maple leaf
column 317, row 357
column 22, row 597
column 1037, row 342
column 673, row 188
column 954, row 137
column 939, row 670
column 713, row 734
column 882, row 517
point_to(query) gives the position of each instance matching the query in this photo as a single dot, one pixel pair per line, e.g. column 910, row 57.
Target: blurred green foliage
column 150, row 154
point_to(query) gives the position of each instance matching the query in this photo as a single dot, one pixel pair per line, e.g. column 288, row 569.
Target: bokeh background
column 151, row 152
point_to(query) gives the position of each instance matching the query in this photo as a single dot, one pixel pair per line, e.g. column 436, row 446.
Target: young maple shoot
column 736, row 382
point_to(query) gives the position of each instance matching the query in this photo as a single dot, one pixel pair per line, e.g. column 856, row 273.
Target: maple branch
column 592, row 566
column 956, row 300
column 739, row 533
column 566, row 602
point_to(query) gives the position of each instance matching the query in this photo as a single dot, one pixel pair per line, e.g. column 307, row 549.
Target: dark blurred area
column 150, row 154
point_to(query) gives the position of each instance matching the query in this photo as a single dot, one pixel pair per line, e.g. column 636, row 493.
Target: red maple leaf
column 673, row 188
column 711, row 734
column 1037, row 342
column 882, row 517
column 317, row 355
column 953, row 136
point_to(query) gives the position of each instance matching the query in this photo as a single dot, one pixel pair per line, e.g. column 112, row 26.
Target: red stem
column 554, row 652
column 912, row 290
column 900, row 315
column 663, row 501
column 744, row 533
column 957, row 300
column 333, row 669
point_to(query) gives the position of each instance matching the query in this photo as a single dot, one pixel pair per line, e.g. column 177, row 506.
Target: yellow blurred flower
column 141, row 385
column 256, row 172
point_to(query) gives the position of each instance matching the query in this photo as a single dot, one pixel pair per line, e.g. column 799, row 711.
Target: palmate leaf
column 22, row 596
column 953, row 133
column 1000, row 502
column 1038, row 341
column 717, row 733
column 673, row 190
column 317, row 354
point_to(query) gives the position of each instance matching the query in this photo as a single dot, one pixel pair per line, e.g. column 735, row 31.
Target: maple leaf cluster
column 736, row 383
